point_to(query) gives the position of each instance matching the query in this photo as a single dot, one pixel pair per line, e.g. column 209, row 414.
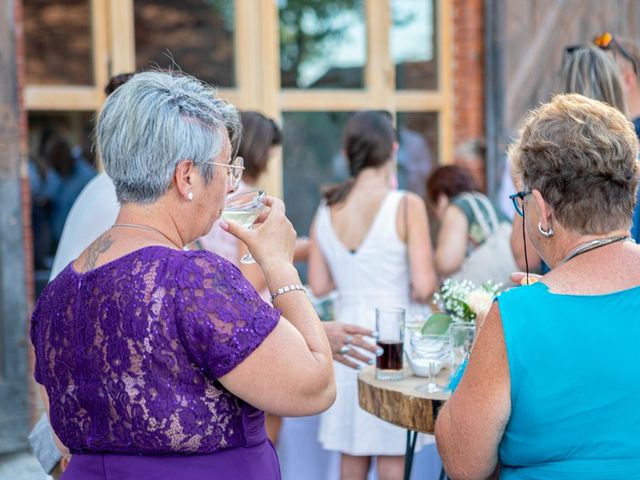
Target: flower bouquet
column 460, row 302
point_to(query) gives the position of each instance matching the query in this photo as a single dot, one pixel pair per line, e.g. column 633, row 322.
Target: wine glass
column 430, row 351
column 244, row 208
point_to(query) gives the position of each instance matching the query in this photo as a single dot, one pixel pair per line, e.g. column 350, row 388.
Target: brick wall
column 468, row 77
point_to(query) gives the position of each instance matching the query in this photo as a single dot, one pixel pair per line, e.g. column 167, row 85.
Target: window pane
column 312, row 158
column 322, row 43
column 413, row 44
column 418, row 152
column 58, row 45
column 194, row 35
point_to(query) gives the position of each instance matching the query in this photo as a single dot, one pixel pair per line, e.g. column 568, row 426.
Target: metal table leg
column 408, row 456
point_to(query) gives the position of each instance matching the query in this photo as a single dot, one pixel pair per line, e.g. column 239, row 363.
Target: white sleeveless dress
column 376, row 275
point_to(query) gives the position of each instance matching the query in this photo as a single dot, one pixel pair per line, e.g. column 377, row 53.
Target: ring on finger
column 348, row 339
column 343, row 350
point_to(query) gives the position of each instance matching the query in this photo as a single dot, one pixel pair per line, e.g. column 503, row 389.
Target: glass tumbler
column 461, row 337
column 390, row 328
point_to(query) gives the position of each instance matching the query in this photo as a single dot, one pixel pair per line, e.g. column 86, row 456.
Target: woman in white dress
column 371, row 244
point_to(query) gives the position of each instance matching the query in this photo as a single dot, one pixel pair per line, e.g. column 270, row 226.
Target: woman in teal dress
column 552, row 387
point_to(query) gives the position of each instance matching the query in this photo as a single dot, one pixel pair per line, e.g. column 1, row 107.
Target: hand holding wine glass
column 272, row 241
column 244, row 208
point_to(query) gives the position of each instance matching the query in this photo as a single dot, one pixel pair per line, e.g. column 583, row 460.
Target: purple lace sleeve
column 34, row 336
column 222, row 319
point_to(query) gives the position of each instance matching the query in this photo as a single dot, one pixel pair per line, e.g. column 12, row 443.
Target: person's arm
column 453, row 240
column 291, row 372
column 517, row 248
column 472, row 422
column 423, row 275
column 251, row 271
column 301, row 253
column 320, row 279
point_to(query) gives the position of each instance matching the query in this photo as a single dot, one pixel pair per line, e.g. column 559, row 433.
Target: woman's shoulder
column 209, row 263
column 520, row 298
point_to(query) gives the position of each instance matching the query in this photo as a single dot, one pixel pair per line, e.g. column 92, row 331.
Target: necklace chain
column 146, row 227
column 592, row 245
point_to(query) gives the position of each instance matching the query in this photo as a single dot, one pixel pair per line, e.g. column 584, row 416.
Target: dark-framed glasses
column 518, row 201
column 606, row 41
column 234, row 171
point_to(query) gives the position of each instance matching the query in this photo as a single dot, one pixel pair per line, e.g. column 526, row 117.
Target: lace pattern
column 130, row 352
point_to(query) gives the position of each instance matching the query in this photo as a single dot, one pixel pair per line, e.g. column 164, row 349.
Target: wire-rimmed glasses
column 234, row 171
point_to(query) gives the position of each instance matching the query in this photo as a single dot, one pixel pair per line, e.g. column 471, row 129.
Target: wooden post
column 14, row 414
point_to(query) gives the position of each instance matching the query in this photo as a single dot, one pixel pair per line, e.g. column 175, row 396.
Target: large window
column 306, row 63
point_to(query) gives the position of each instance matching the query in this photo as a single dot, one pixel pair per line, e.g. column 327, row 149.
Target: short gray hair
column 153, row 122
column 580, row 154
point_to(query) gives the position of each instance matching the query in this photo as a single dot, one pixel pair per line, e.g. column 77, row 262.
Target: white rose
column 480, row 302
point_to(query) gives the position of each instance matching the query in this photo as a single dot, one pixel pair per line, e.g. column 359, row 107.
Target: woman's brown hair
column 368, row 139
column 450, row 180
column 259, row 134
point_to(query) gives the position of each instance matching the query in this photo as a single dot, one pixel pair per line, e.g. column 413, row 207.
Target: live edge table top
column 398, row 402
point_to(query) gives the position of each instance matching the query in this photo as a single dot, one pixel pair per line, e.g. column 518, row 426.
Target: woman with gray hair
column 159, row 362
column 552, row 385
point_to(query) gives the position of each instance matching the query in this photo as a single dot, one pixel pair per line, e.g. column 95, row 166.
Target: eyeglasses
column 518, row 201
column 606, row 41
column 234, row 171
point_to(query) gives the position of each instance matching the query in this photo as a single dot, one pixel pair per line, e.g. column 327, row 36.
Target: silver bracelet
column 287, row 288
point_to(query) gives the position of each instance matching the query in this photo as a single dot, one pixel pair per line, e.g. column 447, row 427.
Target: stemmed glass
column 244, row 208
column 430, row 351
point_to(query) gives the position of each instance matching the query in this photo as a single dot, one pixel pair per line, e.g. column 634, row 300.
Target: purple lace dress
column 130, row 354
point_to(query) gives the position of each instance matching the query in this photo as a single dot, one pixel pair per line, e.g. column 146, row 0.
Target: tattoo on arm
column 97, row 248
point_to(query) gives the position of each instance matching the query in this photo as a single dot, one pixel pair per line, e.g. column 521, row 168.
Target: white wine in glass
column 246, row 219
column 244, row 208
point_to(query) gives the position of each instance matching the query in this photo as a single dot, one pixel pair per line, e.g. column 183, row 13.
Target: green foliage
column 305, row 26
column 436, row 324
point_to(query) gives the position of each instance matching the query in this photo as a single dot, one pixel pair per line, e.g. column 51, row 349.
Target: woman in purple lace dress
column 158, row 363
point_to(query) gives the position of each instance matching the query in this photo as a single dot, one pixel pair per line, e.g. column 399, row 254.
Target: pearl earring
column 190, row 196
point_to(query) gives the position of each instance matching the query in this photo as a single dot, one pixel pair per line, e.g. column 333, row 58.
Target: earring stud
column 190, row 196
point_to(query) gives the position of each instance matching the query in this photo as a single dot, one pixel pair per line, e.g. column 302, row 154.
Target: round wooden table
column 398, row 402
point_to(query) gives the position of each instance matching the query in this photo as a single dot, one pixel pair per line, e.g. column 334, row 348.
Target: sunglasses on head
column 606, row 41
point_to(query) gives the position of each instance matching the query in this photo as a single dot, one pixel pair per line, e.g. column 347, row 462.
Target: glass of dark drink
column 390, row 328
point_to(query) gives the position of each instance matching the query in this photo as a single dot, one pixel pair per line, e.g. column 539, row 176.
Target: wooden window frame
column 257, row 64
column 379, row 91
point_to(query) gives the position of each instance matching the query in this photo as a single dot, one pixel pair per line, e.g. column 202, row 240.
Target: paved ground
column 21, row 466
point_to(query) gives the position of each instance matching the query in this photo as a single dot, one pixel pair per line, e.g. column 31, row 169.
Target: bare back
column 353, row 218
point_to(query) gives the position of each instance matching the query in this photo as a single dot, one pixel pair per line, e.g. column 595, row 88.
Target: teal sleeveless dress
column 575, row 385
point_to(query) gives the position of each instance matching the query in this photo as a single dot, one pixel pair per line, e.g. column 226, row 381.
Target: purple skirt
column 258, row 462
